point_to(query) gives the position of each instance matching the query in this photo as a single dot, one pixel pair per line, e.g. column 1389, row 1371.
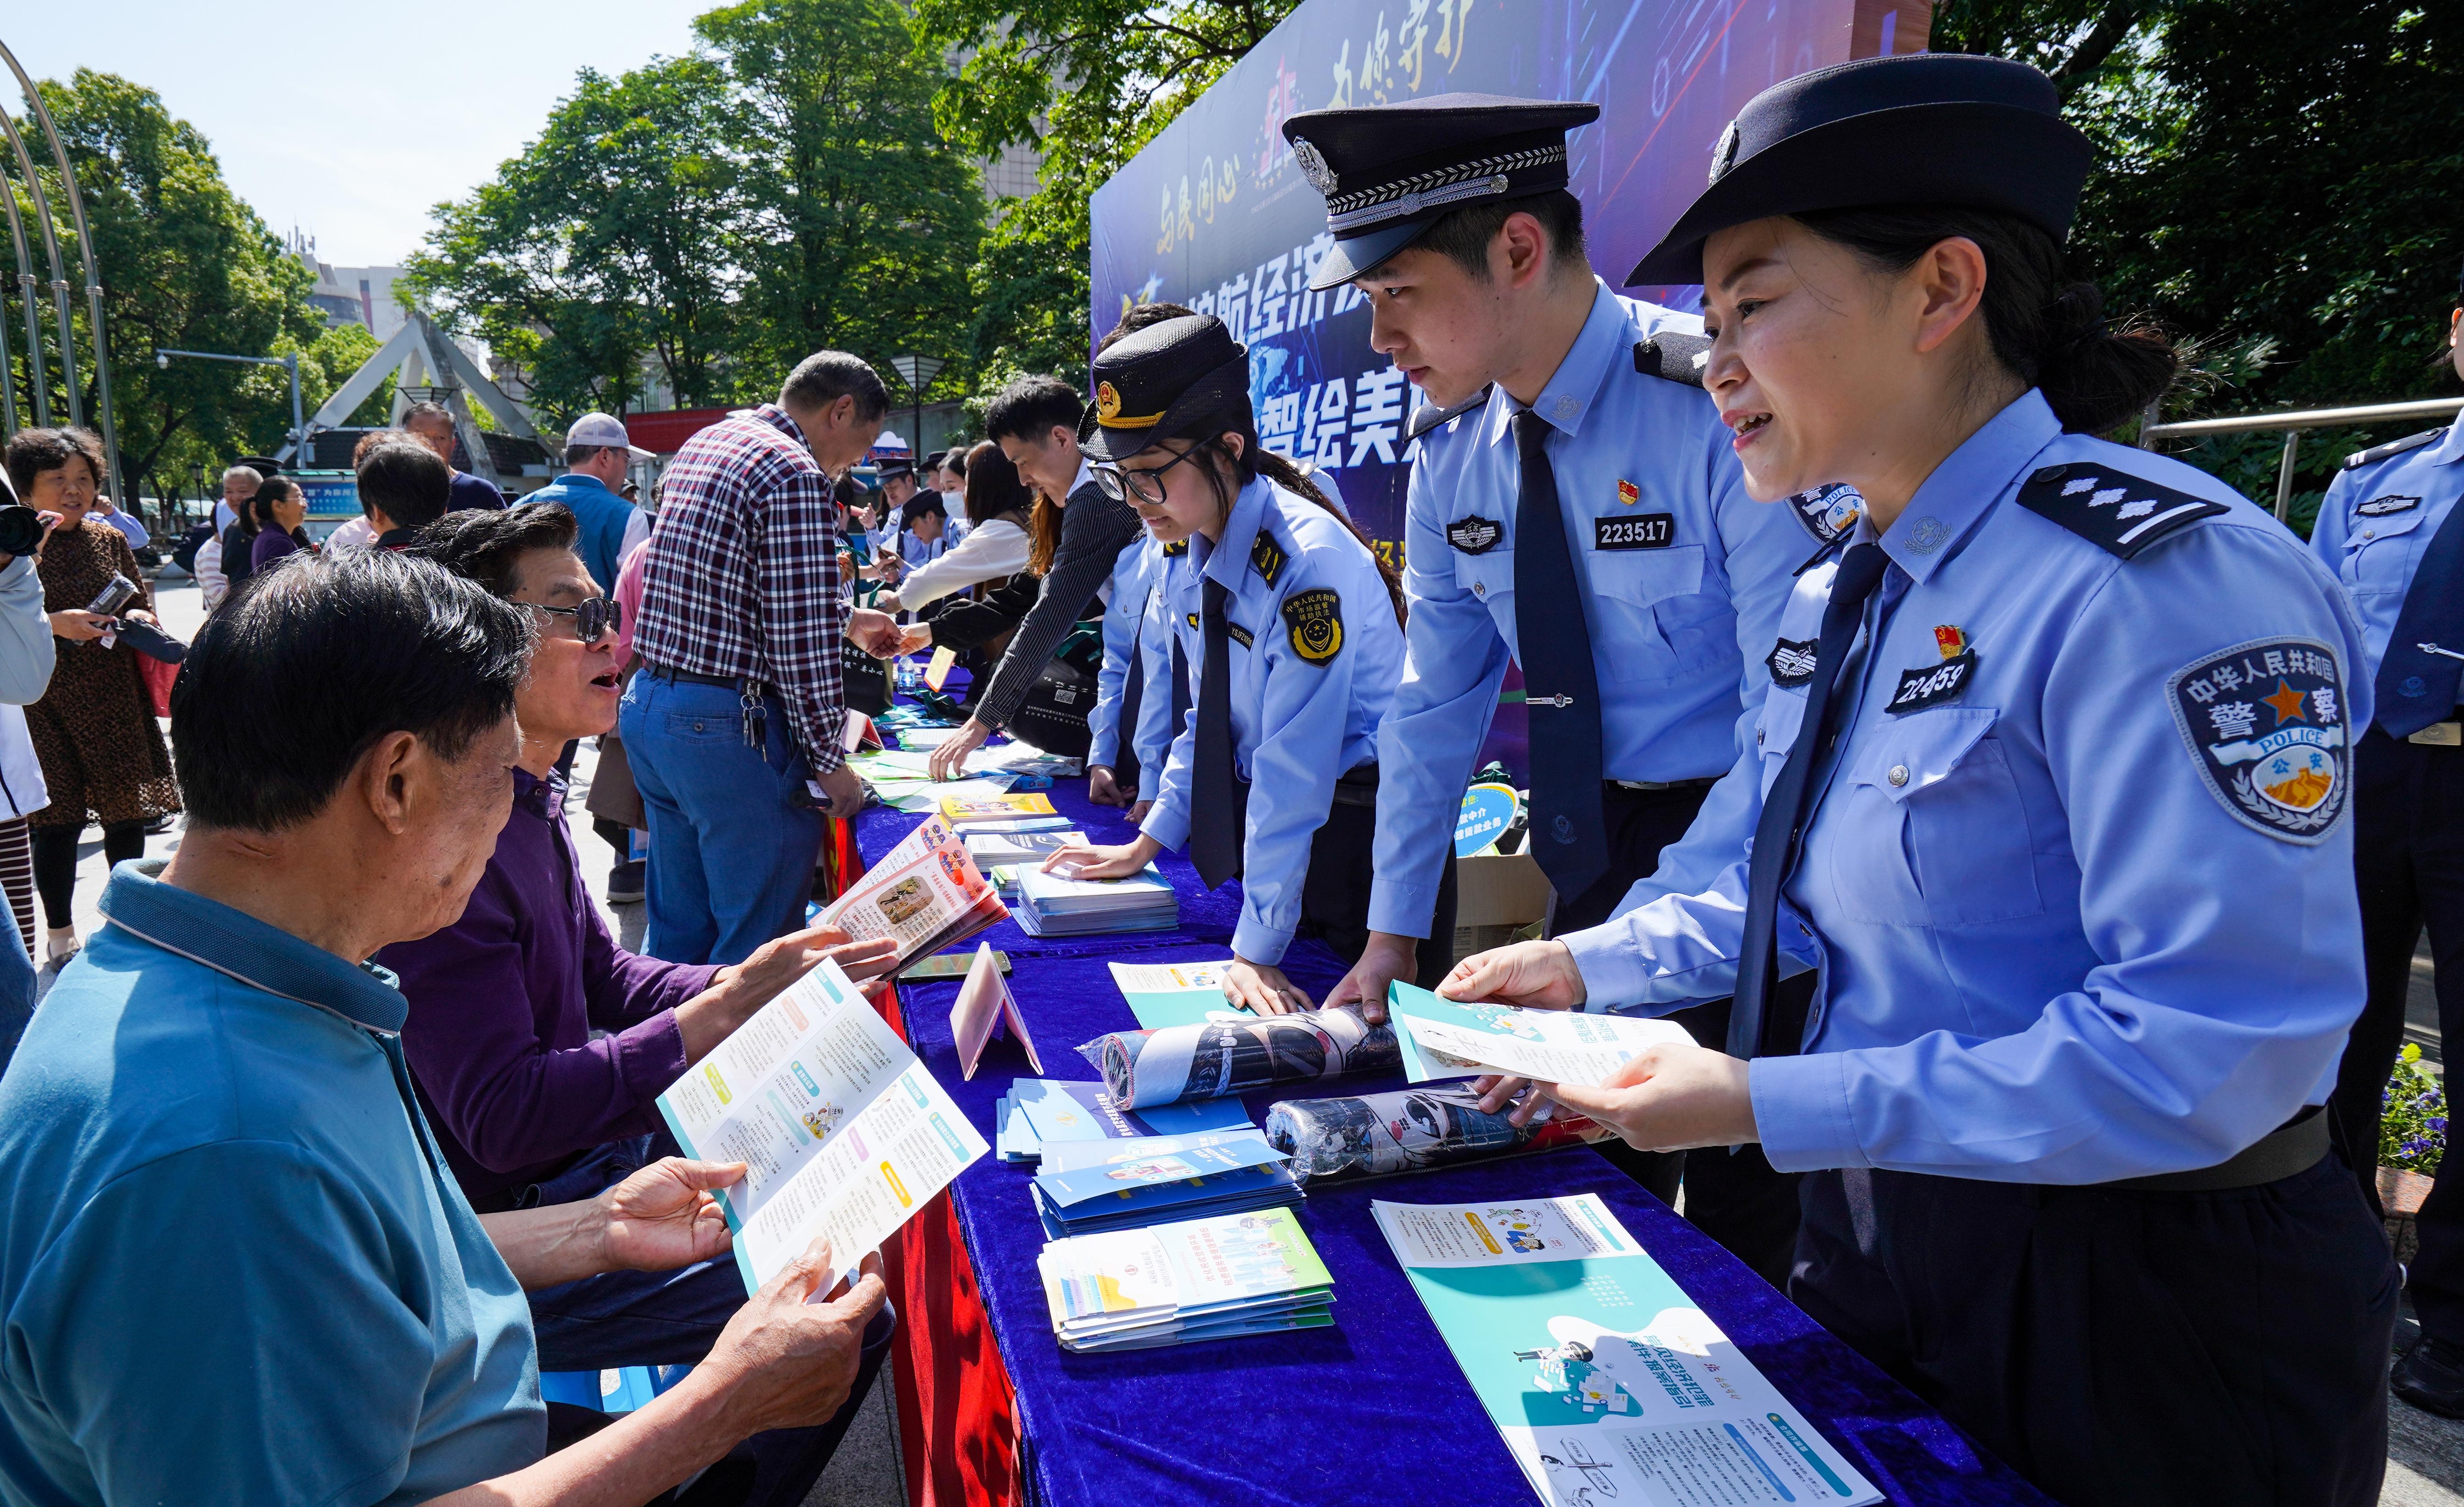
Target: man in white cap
column 597, row 454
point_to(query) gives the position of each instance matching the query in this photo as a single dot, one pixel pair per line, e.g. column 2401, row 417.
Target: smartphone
column 950, row 965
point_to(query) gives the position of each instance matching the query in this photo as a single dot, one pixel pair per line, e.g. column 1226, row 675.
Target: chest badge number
column 1641, row 531
column 1315, row 621
column 1931, row 685
column 1475, row 536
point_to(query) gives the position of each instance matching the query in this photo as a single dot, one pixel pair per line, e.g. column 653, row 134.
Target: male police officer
column 1575, row 508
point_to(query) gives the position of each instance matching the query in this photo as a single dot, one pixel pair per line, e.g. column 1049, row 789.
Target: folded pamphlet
column 1608, row 1383
column 1186, row 1282
column 841, row 1132
column 1175, row 993
column 1442, row 1039
column 926, row 894
column 1038, row 1112
column 1089, row 1186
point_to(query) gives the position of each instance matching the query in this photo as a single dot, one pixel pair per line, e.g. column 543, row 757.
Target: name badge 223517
column 1641, row 531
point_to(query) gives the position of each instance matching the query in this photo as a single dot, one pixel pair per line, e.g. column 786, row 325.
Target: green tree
column 185, row 264
column 606, row 242
column 1088, row 83
column 862, row 222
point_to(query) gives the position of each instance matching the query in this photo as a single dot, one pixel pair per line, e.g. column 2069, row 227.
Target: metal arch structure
column 27, row 279
column 421, row 356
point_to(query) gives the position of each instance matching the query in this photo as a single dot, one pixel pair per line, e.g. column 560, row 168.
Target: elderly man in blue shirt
column 234, row 1265
column 597, row 453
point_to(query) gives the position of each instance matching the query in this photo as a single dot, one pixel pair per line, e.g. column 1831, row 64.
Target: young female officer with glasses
column 1293, row 632
column 2052, row 802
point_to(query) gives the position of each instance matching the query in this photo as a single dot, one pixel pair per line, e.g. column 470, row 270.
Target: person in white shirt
column 996, row 546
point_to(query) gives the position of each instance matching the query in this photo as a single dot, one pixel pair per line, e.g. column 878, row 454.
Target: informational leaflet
column 1174, row 993
column 841, row 1132
column 1442, row 1039
column 1607, row 1382
column 926, row 894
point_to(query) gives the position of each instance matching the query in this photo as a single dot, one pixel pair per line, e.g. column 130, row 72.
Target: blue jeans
column 734, row 836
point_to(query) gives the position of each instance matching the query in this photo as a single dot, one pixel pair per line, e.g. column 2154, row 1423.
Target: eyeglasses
column 1136, row 486
column 593, row 620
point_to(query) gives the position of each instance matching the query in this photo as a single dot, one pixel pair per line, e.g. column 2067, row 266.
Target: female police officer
column 2054, row 772
column 1293, row 632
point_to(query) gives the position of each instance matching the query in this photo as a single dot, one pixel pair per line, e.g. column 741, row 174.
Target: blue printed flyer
column 1609, row 1385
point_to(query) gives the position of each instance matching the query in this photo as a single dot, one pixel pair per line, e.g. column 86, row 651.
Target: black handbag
column 865, row 679
column 1053, row 716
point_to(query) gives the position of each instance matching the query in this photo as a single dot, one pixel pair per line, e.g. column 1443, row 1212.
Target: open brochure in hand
column 926, row 894
column 841, row 1132
column 1181, row 1283
column 1043, row 1112
column 1606, row 1381
column 1442, row 1039
column 1091, row 1186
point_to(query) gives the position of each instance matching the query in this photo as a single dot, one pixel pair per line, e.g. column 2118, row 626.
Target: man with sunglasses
column 528, row 1108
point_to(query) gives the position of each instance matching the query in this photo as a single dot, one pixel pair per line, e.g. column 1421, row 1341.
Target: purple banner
column 1214, row 215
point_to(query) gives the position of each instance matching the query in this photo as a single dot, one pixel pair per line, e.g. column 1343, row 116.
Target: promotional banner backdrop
column 1214, row 215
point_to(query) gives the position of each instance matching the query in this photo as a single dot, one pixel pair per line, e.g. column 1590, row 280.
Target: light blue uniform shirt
column 234, row 1267
column 1678, row 631
column 1135, row 627
column 2052, row 948
column 1301, row 719
column 2376, row 524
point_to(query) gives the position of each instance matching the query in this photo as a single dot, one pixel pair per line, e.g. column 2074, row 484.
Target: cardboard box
column 1500, row 890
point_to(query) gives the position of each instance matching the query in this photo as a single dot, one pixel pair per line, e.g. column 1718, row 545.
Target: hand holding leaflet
column 925, row 894
column 1442, row 1039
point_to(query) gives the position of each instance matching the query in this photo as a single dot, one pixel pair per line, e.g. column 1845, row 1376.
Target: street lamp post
column 917, row 373
column 298, row 424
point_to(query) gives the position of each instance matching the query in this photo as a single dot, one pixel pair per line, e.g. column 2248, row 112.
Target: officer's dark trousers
column 2409, row 859
column 1735, row 1198
column 2123, row 1347
column 1334, row 897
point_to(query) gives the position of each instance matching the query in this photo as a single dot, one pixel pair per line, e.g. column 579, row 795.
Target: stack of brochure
column 1089, row 1186
column 1181, row 1283
column 1040, row 1112
column 974, row 811
column 1058, row 905
column 990, row 849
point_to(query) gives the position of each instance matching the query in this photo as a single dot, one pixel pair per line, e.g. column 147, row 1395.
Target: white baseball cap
column 605, row 430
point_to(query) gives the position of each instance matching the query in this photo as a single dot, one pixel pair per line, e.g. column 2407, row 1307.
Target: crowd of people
column 1980, row 795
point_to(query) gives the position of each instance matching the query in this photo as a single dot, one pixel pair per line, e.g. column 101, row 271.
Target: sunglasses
column 594, row 619
column 1136, row 486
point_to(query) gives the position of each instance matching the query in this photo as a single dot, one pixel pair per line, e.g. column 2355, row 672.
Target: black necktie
column 1560, row 686
column 2416, row 687
column 1754, row 1029
column 1215, row 803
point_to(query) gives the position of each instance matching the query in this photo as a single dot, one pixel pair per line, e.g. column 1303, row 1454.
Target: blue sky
column 351, row 120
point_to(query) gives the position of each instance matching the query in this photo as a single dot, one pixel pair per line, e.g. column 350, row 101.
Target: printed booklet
column 1041, row 1112
column 1180, row 1283
column 1175, row 993
column 1605, row 1380
column 1058, row 905
column 926, row 893
column 1089, row 1186
column 841, row 1132
column 1442, row 1039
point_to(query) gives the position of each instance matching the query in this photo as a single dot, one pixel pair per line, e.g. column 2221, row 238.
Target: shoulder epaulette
column 1428, row 415
column 2394, row 446
column 1672, row 357
column 2119, row 513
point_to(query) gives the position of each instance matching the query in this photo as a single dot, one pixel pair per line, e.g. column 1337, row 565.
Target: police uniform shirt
column 2077, row 878
column 1316, row 655
column 1131, row 628
column 1685, row 576
column 2377, row 521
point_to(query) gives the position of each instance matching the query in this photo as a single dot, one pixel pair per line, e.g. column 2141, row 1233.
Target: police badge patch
column 1475, row 535
column 2380, row 507
column 2265, row 721
column 1315, row 619
column 1790, row 662
column 1828, row 512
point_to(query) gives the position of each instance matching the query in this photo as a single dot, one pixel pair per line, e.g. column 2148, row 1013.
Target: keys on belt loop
column 757, row 716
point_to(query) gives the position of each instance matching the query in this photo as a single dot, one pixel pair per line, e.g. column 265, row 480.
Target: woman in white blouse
column 996, row 545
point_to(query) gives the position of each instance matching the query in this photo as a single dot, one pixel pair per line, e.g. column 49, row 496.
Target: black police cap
column 1390, row 171
column 1924, row 128
column 1164, row 383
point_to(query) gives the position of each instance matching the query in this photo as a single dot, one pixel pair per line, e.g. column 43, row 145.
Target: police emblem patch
column 1315, row 619
column 1314, row 165
column 1790, row 662
column 1266, row 557
column 1828, row 513
column 2265, row 721
column 2380, row 507
column 1933, row 684
column 1475, row 535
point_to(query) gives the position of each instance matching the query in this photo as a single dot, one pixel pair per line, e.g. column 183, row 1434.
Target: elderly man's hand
column 787, row 1361
column 877, row 634
column 781, row 960
column 663, row 1216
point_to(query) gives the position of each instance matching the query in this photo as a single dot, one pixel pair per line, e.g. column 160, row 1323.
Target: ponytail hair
column 2048, row 331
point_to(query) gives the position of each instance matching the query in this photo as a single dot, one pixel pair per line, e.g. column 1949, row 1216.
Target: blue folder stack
column 1090, row 1187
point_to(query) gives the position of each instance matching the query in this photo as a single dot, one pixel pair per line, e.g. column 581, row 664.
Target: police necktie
column 1215, row 805
column 2415, row 687
column 1753, row 1031
column 1560, row 686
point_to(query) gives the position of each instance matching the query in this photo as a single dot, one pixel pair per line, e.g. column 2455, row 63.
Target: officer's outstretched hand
column 1538, row 975
column 1262, row 987
column 1669, row 1098
column 1387, row 958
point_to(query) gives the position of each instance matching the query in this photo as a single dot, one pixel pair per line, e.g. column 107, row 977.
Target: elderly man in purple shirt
column 530, row 1107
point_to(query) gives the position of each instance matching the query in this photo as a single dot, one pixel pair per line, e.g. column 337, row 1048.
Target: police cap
column 1924, row 128
column 1390, row 171
column 1165, row 382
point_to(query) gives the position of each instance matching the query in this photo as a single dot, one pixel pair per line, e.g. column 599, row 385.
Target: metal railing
column 2294, row 422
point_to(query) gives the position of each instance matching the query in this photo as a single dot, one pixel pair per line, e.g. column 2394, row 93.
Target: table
column 992, row 1409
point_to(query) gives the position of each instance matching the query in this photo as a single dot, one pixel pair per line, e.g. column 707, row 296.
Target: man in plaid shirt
column 738, row 701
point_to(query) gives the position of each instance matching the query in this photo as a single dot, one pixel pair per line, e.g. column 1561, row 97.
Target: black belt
column 2294, row 1146
column 731, row 682
column 1359, row 787
column 1650, row 786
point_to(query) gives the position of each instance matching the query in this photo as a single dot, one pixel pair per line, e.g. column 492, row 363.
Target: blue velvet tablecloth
column 1375, row 1408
